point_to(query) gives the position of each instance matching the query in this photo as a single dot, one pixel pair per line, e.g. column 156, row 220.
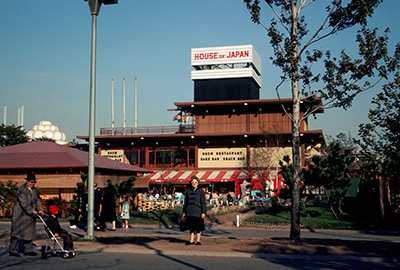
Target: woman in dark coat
column 194, row 210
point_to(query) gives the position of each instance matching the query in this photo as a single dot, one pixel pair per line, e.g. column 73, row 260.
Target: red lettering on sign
column 238, row 54
column 205, row 56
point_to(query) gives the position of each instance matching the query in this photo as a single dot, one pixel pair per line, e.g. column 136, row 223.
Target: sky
column 45, row 48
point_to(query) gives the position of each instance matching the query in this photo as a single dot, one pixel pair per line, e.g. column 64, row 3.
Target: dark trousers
column 67, row 239
column 28, row 246
column 100, row 222
column 77, row 215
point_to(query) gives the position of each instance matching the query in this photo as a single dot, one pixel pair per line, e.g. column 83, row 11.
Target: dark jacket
column 195, row 203
column 54, row 226
column 81, row 201
column 23, row 222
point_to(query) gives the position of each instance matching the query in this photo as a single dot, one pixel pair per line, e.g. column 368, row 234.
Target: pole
column 90, row 223
column 94, row 6
column 19, row 117
column 112, row 106
column 5, row 116
column 136, row 120
column 123, row 103
column 22, row 117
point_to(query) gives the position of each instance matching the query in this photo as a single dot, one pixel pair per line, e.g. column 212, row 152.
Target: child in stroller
column 53, row 228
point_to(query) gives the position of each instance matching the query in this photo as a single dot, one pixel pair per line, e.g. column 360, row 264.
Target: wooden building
column 226, row 135
column 58, row 168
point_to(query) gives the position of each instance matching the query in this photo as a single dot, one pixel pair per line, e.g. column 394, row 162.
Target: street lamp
column 94, row 6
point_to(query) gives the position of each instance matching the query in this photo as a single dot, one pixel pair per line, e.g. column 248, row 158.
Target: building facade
column 225, row 136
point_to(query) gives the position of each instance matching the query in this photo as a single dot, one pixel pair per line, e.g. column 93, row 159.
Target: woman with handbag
column 194, row 211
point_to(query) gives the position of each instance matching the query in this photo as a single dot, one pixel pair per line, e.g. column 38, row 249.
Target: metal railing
column 118, row 131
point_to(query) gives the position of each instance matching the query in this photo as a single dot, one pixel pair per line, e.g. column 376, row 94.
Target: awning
column 204, row 176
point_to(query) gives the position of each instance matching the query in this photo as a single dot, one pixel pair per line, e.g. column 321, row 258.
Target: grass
column 165, row 217
column 319, row 217
column 313, row 217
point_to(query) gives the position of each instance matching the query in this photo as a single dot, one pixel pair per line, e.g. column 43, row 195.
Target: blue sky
column 45, row 59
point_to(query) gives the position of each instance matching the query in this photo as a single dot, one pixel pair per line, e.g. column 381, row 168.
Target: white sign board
column 117, row 155
column 222, row 158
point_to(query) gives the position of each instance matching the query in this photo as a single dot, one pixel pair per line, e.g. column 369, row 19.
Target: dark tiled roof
column 49, row 155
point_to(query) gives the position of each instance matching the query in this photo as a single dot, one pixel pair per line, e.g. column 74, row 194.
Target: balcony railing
column 118, row 131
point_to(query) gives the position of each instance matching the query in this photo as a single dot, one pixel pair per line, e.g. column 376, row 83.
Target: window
column 173, row 158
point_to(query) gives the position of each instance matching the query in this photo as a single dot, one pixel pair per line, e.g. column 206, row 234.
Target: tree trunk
column 381, row 198
column 295, row 213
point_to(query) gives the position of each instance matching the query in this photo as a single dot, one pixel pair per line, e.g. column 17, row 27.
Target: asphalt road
column 128, row 259
column 100, row 260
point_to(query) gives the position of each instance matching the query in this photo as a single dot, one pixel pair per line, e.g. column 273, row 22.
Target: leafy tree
column 125, row 187
column 7, row 197
column 337, row 80
column 380, row 139
column 10, row 135
column 331, row 172
column 287, row 175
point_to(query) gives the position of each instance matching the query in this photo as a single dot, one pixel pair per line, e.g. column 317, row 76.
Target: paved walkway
column 230, row 241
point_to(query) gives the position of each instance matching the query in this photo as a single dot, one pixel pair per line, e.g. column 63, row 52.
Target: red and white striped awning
column 204, row 176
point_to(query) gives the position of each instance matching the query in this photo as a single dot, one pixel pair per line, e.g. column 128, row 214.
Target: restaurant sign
column 222, row 158
column 117, row 155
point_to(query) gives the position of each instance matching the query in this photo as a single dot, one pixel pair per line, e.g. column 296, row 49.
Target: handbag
column 182, row 224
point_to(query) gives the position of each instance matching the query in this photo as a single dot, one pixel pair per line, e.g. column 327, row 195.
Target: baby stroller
column 53, row 246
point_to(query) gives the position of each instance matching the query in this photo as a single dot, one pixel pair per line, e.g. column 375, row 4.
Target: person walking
column 108, row 213
column 27, row 205
column 194, row 210
column 80, row 210
column 100, row 225
column 125, row 212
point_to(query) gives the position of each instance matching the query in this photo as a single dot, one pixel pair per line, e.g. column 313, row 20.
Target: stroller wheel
column 53, row 253
column 72, row 254
column 44, row 255
column 65, row 256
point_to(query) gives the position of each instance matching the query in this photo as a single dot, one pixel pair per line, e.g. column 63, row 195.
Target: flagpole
column 112, row 105
column 136, row 119
column 123, row 100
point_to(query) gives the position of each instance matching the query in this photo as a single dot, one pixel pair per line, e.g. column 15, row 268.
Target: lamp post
column 94, row 6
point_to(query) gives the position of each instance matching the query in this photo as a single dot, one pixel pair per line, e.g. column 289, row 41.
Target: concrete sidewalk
column 230, row 241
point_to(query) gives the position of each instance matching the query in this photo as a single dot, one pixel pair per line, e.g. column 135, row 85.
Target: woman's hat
column 30, row 176
column 53, row 209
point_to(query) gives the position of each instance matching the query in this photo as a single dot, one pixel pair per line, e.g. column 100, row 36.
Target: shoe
column 15, row 254
column 198, row 244
column 30, row 253
column 189, row 243
column 112, row 230
column 73, row 226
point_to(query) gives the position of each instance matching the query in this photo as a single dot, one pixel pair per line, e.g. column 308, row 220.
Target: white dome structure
column 45, row 129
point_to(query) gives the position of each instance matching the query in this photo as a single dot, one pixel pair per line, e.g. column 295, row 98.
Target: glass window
column 132, row 156
column 192, row 162
column 142, row 157
column 163, row 158
column 179, row 158
column 152, row 157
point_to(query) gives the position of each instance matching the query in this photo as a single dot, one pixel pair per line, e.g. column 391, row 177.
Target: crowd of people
column 177, row 198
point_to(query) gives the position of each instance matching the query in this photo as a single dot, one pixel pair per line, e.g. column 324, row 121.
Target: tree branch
column 280, row 100
column 279, row 17
column 311, row 40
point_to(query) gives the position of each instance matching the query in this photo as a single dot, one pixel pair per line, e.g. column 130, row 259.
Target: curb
column 242, row 255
